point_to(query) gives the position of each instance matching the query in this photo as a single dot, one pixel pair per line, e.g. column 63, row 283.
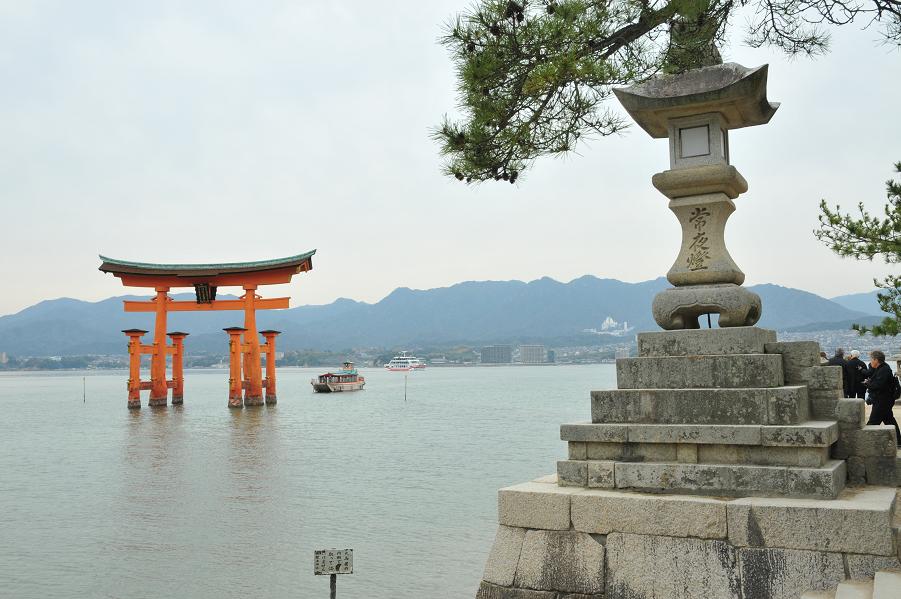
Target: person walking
column 839, row 360
column 857, row 372
column 880, row 382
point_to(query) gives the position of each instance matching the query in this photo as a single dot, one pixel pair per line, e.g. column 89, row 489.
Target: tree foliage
column 865, row 237
column 534, row 75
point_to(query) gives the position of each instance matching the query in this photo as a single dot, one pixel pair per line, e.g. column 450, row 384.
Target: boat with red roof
column 346, row 379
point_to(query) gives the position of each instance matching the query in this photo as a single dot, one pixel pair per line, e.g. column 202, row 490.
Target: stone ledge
column 733, row 479
column 534, row 505
column 814, row 433
column 808, row 434
column 774, row 406
column 696, row 342
column 858, row 521
column 822, row 378
column 868, row 442
column 706, row 372
column 605, row 512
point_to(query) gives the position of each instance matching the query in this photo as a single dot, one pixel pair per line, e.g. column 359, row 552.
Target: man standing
column 839, row 360
column 856, row 372
column 880, row 383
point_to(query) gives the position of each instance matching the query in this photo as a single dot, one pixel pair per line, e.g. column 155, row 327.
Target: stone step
column 887, row 584
column 825, row 482
column 813, row 433
column 876, row 440
column 687, row 453
column 855, row 589
column 818, row 595
column 872, row 454
column 705, row 372
column 698, row 342
column 777, row 405
column 804, row 445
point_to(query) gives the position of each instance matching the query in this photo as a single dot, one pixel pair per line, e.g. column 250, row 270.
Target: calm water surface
column 205, row 502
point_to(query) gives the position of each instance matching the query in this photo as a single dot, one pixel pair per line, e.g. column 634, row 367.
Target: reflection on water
column 202, row 501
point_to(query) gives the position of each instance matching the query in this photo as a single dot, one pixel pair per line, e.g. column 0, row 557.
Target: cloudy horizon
column 224, row 131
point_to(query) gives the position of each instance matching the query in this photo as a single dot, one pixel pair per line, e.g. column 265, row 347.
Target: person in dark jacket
column 879, row 383
column 839, row 360
column 855, row 371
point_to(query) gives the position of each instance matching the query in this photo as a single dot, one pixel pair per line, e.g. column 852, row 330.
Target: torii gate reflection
column 245, row 355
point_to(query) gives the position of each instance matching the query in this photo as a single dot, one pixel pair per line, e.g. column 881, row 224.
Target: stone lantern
column 696, row 110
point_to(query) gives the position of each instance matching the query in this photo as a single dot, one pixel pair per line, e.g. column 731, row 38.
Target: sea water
column 201, row 501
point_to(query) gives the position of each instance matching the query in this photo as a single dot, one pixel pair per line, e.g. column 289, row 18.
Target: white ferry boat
column 404, row 363
column 346, row 379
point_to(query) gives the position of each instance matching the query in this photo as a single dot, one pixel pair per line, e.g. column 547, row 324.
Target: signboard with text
column 333, row 561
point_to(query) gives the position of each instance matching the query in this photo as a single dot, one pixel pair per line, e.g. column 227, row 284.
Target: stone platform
column 564, row 542
column 725, row 464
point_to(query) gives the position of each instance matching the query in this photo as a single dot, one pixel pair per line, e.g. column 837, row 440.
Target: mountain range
column 544, row 310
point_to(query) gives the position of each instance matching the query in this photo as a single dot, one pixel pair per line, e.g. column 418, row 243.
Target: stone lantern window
column 698, row 141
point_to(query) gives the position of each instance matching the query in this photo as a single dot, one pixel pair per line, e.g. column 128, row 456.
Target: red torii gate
column 245, row 355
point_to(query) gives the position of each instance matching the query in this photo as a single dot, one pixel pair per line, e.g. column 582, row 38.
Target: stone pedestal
column 706, row 279
column 717, row 469
column 555, row 542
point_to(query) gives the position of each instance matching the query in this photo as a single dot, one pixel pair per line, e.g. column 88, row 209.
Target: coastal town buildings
column 532, row 354
column 497, row 354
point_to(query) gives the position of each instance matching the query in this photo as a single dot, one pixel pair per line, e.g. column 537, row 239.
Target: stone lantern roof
column 736, row 92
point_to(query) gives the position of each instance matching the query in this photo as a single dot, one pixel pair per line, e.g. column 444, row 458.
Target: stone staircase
column 727, row 412
column 886, row 584
column 719, row 412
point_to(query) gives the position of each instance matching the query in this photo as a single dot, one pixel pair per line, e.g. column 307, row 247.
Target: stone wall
column 567, row 543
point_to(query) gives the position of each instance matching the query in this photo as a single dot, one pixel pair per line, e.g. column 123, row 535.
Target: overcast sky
column 228, row 131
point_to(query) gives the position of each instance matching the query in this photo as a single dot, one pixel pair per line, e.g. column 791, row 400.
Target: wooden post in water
column 159, row 388
column 333, row 586
column 269, row 381
column 235, row 358
column 134, row 367
column 178, row 365
column 253, row 394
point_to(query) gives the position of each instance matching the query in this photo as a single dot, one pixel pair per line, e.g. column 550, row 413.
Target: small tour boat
column 346, row 379
column 404, row 363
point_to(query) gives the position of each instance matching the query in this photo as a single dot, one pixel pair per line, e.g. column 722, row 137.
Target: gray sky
column 222, row 130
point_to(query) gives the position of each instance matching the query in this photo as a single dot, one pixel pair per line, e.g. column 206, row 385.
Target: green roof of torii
column 112, row 265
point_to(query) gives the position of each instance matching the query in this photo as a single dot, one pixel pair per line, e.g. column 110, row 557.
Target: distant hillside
column 543, row 310
column 861, row 302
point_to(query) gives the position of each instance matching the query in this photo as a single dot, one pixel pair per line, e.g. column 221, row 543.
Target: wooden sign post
column 333, row 562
